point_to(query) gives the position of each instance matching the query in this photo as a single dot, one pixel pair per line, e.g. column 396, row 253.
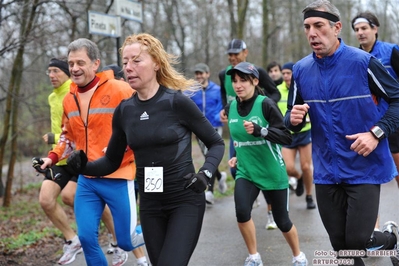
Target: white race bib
column 153, row 179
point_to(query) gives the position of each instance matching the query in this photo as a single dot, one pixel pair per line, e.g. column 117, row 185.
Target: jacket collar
column 104, row 77
column 331, row 59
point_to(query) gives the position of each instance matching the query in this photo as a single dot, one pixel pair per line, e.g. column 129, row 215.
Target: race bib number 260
column 153, row 179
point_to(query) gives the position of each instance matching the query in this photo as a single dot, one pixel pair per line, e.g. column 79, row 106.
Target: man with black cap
column 65, row 183
column 345, row 92
column 237, row 52
column 209, row 102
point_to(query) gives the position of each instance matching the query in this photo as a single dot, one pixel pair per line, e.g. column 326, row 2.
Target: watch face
column 207, row 173
column 378, row 132
column 263, row 132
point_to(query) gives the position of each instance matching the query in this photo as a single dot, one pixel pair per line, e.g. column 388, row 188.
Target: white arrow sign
column 103, row 24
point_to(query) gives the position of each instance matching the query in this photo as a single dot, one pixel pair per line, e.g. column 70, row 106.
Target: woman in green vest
column 257, row 129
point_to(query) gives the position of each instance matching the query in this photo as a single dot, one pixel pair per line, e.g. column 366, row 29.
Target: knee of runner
column 243, row 215
column 47, row 203
column 284, row 227
column 67, row 199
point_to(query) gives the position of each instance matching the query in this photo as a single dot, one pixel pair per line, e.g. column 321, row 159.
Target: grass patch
column 24, row 223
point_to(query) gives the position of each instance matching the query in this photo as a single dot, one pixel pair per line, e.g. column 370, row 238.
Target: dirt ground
column 47, row 250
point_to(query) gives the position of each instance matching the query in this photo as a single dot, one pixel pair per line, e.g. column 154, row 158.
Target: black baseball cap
column 235, row 46
column 246, row 68
column 118, row 72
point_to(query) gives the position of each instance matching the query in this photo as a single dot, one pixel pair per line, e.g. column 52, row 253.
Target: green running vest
column 258, row 160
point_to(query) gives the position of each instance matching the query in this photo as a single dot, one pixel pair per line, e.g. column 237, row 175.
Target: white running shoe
column 70, row 251
column 292, row 183
column 253, row 262
column 119, row 257
column 301, row 261
column 110, row 249
column 256, row 204
column 209, row 198
column 270, row 221
column 222, row 183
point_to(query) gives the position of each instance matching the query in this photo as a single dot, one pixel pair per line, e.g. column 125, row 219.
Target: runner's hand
column 196, row 182
column 77, row 161
column 48, row 172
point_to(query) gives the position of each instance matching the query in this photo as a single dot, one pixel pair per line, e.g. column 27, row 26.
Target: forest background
column 33, row 31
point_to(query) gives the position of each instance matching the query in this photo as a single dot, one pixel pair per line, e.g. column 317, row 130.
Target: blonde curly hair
column 166, row 75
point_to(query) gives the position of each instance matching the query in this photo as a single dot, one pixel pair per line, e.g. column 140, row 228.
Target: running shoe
column 143, row 264
column 309, row 202
column 253, row 262
column 210, row 199
column 222, row 183
column 256, row 203
column 119, row 257
column 110, row 248
column 300, row 260
column 292, row 181
column 299, row 187
column 70, row 252
column 392, row 228
column 270, row 221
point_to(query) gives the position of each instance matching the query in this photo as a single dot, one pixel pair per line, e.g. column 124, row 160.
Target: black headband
column 321, row 14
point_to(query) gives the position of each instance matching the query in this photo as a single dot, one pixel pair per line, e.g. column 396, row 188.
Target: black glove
column 77, row 161
column 257, row 129
column 47, row 172
column 197, row 182
column 50, row 138
column 36, row 163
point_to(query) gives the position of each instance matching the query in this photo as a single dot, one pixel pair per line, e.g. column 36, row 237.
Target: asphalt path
column 221, row 244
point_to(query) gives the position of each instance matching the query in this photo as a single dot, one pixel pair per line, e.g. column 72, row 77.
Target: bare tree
column 237, row 14
column 11, row 119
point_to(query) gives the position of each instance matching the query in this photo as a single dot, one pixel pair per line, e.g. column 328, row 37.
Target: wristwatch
column 207, row 173
column 377, row 132
column 264, row 132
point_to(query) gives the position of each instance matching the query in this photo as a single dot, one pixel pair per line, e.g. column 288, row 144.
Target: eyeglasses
column 55, row 71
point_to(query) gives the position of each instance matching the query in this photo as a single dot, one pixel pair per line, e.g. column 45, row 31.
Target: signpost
column 108, row 25
column 103, row 24
column 128, row 9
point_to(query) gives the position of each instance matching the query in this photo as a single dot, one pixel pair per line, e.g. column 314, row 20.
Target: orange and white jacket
column 93, row 136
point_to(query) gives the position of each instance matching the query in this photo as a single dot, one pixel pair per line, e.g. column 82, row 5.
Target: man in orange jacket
column 87, row 125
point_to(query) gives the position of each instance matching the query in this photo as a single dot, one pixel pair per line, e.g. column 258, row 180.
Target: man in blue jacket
column 341, row 88
column 365, row 25
column 209, row 102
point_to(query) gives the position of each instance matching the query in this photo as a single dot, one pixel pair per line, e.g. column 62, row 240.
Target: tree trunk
column 233, row 22
column 265, row 29
column 242, row 13
column 27, row 23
